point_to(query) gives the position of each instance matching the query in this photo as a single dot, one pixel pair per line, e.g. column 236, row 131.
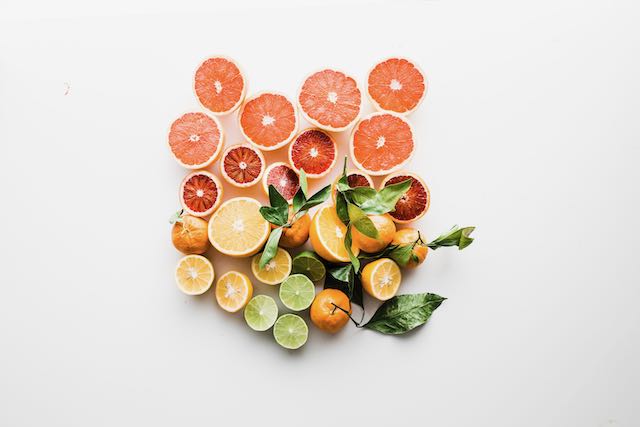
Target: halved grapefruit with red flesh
column 414, row 203
column 381, row 143
column 330, row 100
column 220, row 85
column 314, row 151
column 268, row 120
column 283, row 178
column 397, row 85
column 355, row 179
column 200, row 193
column 195, row 140
column 242, row 165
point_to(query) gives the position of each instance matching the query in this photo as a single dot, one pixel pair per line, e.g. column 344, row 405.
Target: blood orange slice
column 219, row 85
column 397, row 85
column 242, row 165
column 330, row 100
column 381, row 143
column 195, row 140
column 283, row 177
column 355, row 179
column 268, row 120
column 200, row 193
column 414, row 203
column 314, row 151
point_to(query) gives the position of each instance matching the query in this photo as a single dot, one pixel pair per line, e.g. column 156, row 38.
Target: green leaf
column 275, row 198
column 343, row 278
column 403, row 313
column 385, row 199
column 271, row 247
column 455, row 237
column 401, row 254
column 341, row 208
column 347, row 244
column 361, row 221
column 363, row 195
column 273, row 215
column 342, row 273
column 303, row 181
column 299, row 199
column 318, row 198
column 176, row 217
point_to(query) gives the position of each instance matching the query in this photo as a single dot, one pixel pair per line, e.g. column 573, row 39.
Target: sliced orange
column 381, row 278
column 327, row 235
column 195, row 140
column 397, row 85
column 200, row 193
column 220, row 85
column 414, row 203
column 268, row 120
column 194, row 274
column 315, row 151
column 233, row 291
column 242, row 165
column 283, row 177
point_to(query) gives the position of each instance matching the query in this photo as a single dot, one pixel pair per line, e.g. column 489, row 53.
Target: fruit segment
column 314, row 151
column 195, row 140
column 219, row 85
column 268, row 121
column 397, row 85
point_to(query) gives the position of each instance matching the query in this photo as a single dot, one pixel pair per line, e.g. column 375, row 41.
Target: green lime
column 290, row 331
column 261, row 312
column 309, row 264
column 297, row 292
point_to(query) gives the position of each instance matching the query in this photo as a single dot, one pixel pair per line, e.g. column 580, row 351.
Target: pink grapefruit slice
column 330, row 100
column 355, row 178
column 200, row 193
column 414, row 203
column 268, row 120
column 220, row 85
column 283, row 178
column 314, row 151
column 195, row 140
column 396, row 84
column 381, row 143
column 242, row 165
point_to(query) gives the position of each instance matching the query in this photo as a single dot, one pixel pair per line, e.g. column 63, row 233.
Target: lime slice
column 290, row 331
column 275, row 271
column 309, row 264
column 261, row 313
column 297, row 292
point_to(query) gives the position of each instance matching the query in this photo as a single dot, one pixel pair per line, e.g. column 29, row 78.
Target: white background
column 530, row 131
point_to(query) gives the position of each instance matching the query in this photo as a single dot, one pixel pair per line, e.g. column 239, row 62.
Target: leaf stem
column 347, row 313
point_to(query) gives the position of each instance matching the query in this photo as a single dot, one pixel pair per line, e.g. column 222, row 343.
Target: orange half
column 219, row 85
column 397, row 85
column 268, row 120
column 195, row 140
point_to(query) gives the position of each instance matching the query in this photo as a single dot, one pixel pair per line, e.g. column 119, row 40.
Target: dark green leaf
column 403, row 313
column 271, row 247
column 455, row 237
column 303, row 182
column 361, row 221
column 382, row 254
column 343, row 185
column 318, row 198
column 356, row 298
column 343, row 278
column 347, row 244
column 386, row 199
column 342, row 273
column 299, row 200
column 361, row 195
column 341, row 208
column 401, row 254
column 275, row 198
column 176, row 217
column 273, row 215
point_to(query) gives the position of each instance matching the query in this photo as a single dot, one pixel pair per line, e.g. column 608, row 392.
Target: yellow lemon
column 327, row 234
column 194, row 274
column 233, row 291
column 237, row 229
column 381, row 278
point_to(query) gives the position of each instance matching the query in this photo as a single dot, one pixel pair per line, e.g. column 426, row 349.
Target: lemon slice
column 381, row 278
column 237, row 229
column 233, row 291
column 275, row 271
column 327, row 236
column 194, row 274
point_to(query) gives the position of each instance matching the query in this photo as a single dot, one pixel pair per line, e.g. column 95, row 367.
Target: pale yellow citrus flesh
column 275, row 271
column 194, row 274
column 237, row 229
column 233, row 291
column 381, row 278
column 327, row 235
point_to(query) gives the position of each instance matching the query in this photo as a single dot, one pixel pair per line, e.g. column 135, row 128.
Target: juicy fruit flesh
column 194, row 275
column 243, row 165
column 237, row 228
column 324, row 313
column 275, row 271
column 219, row 85
column 268, row 120
column 356, row 180
column 396, row 85
column 200, row 193
column 290, row 331
column 261, row 312
column 413, row 202
column 331, row 98
column 327, row 236
column 233, row 290
column 285, row 180
column 314, row 151
column 297, row 292
column 381, row 278
column 194, row 138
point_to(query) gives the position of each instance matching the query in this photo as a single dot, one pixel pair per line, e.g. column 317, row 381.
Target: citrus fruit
column 314, row 151
column 283, row 177
column 324, row 313
column 233, row 291
column 290, row 331
column 409, row 236
column 195, row 140
column 189, row 235
column 261, row 312
column 397, row 85
column 219, row 85
column 275, row 271
column 194, row 274
column 297, row 292
column 354, row 179
column 309, row 264
column 200, row 193
column 242, row 165
column 330, row 100
column 386, row 230
column 268, row 120
column 414, row 203
column 381, row 278
column 327, row 234
column 297, row 234
column 237, row 229
column 381, row 143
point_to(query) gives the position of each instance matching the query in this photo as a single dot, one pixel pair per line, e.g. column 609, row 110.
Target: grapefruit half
column 219, row 85
column 268, row 120
column 283, row 178
column 200, row 193
column 195, row 140
column 242, row 165
column 314, row 151
column 414, row 203
column 396, row 84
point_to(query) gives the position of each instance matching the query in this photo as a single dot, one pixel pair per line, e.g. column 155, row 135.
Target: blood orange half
column 242, row 165
column 397, row 85
column 268, row 120
column 355, row 179
column 283, row 177
column 200, row 193
column 314, row 151
column 381, row 143
column 219, row 85
column 414, row 203
column 330, row 100
column 195, row 140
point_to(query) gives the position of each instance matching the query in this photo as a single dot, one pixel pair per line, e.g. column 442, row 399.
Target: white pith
column 267, row 120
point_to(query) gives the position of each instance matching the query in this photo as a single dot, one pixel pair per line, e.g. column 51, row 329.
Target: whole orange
column 409, row 236
column 386, row 230
column 324, row 313
column 189, row 235
column 297, row 234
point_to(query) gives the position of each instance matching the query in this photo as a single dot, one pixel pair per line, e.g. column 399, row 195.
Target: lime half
column 290, row 331
column 309, row 264
column 297, row 292
column 261, row 313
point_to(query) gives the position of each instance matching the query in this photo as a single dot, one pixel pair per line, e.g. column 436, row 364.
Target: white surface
column 530, row 131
